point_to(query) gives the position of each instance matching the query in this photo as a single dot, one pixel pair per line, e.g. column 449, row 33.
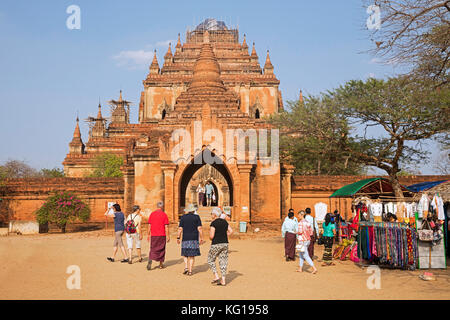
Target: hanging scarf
column 374, row 245
column 410, row 247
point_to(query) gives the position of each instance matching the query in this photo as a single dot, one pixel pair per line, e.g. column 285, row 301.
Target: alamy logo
column 74, row 20
column 74, row 280
column 374, row 281
column 374, row 20
column 241, row 147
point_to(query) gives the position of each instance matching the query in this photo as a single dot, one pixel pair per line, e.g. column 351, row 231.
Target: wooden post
column 106, row 217
column 429, row 262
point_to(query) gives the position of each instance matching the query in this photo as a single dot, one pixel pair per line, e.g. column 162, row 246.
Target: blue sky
column 48, row 73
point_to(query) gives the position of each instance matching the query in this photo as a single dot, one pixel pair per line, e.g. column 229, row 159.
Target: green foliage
column 52, row 173
column 406, row 111
column 63, row 208
column 3, row 176
column 107, row 165
column 313, row 134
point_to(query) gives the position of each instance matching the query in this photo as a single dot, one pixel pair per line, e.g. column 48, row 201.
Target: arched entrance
column 199, row 171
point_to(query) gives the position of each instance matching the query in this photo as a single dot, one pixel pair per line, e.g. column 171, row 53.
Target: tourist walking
column 315, row 235
column 218, row 233
column 329, row 232
column 293, row 212
column 209, row 189
column 225, row 214
column 119, row 228
column 304, row 237
column 191, row 235
column 201, row 194
column 158, row 235
column 289, row 231
column 133, row 232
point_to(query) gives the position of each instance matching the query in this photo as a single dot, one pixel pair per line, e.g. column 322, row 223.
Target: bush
column 107, row 165
column 63, row 208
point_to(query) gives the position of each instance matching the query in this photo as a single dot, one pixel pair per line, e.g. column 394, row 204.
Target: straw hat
column 190, row 208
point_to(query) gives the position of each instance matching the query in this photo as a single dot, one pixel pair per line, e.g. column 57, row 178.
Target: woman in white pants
column 304, row 237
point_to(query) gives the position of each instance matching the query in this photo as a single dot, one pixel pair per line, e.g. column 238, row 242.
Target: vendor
column 392, row 217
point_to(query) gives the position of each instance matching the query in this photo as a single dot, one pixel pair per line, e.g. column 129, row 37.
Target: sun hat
column 190, row 208
column 216, row 211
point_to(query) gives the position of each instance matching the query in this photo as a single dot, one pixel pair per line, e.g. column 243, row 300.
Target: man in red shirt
column 158, row 235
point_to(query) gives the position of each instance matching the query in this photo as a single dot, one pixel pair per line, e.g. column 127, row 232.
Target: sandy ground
column 34, row 267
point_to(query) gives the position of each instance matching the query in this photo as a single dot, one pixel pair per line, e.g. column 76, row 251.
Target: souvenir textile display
column 390, row 244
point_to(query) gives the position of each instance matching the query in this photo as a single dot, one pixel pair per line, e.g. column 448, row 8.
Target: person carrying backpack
column 133, row 232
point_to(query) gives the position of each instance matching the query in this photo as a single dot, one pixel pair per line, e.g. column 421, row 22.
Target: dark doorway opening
column 197, row 163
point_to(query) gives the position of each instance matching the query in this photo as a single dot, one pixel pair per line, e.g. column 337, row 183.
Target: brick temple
column 211, row 82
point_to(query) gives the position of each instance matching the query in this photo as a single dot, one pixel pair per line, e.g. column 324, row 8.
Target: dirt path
column 34, row 267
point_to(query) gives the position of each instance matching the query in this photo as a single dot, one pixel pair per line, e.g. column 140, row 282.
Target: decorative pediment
column 164, row 106
column 256, row 108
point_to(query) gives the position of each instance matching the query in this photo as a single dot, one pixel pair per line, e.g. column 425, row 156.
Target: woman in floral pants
column 219, row 232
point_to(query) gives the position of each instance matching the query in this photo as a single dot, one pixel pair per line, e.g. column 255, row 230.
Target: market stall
column 433, row 199
column 386, row 225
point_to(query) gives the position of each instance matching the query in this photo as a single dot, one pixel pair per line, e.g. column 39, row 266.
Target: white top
column 200, row 189
column 423, row 205
column 320, row 210
column 376, row 209
column 438, row 205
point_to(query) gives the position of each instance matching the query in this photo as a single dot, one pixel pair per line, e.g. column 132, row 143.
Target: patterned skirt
column 190, row 248
column 328, row 243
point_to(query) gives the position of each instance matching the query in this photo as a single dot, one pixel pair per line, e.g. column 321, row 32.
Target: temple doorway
column 217, row 174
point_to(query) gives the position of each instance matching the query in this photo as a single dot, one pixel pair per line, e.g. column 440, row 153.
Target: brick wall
column 21, row 197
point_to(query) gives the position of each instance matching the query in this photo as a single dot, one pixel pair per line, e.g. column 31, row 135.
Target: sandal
column 124, row 260
column 185, row 271
column 110, row 259
column 221, row 284
column 189, row 273
column 215, row 281
column 161, row 266
column 140, row 260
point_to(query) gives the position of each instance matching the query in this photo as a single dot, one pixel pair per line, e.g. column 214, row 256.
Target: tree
column 415, row 34
column 62, row 208
column 52, row 173
column 442, row 164
column 17, row 169
column 107, row 165
column 406, row 111
column 312, row 136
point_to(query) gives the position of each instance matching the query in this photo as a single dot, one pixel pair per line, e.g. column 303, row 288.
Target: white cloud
column 139, row 59
column 375, row 61
column 371, row 75
column 165, row 43
column 134, row 59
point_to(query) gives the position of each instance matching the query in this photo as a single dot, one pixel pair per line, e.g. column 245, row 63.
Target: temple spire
column 300, row 98
column 154, row 67
column 254, row 55
column 178, row 42
column 206, row 37
column 268, row 67
column 99, row 113
column 76, row 145
column 244, row 43
column 168, row 56
column 77, row 133
column 206, row 70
